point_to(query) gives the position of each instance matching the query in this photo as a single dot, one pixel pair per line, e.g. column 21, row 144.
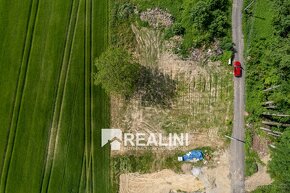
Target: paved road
column 237, row 147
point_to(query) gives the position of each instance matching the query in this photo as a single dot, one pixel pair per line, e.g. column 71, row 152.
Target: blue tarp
column 194, row 154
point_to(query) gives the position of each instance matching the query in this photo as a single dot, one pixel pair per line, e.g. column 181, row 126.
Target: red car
column 237, row 69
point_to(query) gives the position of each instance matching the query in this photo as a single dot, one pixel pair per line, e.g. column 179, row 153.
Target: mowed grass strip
column 88, row 114
column 259, row 24
column 263, row 17
column 100, row 100
column 82, row 183
column 34, row 122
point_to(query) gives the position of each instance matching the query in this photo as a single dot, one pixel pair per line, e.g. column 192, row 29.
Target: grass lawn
column 51, row 114
column 259, row 25
column 263, row 19
column 100, row 108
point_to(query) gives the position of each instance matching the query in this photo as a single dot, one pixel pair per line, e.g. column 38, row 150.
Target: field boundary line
column 82, row 175
column 87, row 62
column 91, row 164
column 106, row 37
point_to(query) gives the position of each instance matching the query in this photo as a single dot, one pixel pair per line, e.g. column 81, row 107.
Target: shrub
column 117, row 72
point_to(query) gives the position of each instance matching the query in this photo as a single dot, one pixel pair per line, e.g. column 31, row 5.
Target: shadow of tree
column 155, row 88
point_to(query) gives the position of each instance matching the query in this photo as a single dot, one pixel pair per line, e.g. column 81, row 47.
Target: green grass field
column 259, row 24
column 50, row 113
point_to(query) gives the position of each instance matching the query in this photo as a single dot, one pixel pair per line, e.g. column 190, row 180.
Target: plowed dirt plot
column 50, row 113
column 159, row 182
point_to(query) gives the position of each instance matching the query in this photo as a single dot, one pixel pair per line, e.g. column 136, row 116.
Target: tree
column 279, row 166
column 201, row 16
column 281, row 20
column 117, row 72
column 219, row 25
column 219, row 4
column 210, row 19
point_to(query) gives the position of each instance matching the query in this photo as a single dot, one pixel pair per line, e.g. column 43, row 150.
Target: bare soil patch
column 164, row 181
column 261, row 145
column 216, row 178
column 260, row 178
column 213, row 179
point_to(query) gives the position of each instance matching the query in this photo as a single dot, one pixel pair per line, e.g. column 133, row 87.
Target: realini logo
column 117, row 139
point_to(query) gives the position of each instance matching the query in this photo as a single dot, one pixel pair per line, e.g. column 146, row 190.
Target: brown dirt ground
column 163, row 181
column 211, row 180
column 260, row 178
column 216, row 179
